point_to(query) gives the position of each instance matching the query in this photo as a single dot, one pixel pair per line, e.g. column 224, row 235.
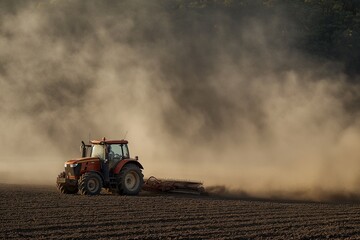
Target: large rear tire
column 130, row 180
column 66, row 188
column 90, row 183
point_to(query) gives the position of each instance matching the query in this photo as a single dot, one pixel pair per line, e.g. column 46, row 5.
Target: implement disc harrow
column 153, row 184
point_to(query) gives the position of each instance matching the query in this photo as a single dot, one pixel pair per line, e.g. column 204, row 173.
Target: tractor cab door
column 117, row 152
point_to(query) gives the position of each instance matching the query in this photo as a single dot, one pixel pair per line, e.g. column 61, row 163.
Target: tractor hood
column 82, row 160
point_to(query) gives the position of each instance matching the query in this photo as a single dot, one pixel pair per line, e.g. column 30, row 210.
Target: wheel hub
column 93, row 185
column 131, row 181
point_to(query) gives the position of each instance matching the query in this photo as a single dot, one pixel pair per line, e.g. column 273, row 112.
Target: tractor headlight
column 65, row 165
column 73, row 165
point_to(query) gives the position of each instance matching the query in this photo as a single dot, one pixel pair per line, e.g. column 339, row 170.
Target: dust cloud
column 199, row 96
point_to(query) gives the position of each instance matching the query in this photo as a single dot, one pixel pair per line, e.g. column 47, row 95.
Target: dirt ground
column 41, row 212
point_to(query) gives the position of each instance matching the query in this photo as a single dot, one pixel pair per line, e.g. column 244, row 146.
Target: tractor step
column 113, row 182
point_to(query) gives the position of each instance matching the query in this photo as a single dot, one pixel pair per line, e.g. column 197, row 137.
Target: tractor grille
column 72, row 171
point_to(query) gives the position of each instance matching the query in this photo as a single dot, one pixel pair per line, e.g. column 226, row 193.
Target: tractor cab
column 113, row 151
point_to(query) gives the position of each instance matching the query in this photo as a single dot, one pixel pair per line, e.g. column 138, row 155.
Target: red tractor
column 104, row 164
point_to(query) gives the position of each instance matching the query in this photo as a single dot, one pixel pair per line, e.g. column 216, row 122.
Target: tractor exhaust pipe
column 83, row 149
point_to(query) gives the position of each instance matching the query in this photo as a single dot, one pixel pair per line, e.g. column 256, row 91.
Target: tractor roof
column 106, row 141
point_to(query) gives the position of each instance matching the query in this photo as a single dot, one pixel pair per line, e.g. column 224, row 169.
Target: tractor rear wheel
column 130, row 180
column 66, row 188
column 90, row 183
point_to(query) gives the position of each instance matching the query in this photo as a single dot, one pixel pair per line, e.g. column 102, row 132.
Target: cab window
column 118, row 151
column 115, row 151
column 98, row 151
column 125, row 151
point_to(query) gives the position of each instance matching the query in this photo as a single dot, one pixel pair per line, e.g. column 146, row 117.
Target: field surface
column 43, row 213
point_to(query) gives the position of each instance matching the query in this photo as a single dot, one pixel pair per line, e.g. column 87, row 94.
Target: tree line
column 328, row 29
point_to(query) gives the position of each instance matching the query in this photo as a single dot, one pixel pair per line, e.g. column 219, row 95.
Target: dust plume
column 212, row 97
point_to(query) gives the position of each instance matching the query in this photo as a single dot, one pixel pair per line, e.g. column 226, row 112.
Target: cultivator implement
column 153, row 184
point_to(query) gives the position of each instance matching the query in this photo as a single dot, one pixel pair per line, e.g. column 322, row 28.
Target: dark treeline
column 326, row 29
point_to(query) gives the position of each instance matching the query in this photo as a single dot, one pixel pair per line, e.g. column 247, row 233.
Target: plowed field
column 43, row 213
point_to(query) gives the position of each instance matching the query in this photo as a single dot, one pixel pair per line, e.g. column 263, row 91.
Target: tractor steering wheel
column 117, row 155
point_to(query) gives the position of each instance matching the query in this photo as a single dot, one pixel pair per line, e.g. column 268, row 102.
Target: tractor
column 103, row 164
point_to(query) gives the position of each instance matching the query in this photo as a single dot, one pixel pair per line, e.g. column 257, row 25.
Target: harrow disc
column 154, row 184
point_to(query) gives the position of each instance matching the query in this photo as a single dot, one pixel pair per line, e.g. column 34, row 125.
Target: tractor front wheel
column 90, row 183
column 130, row 180
column 66, row 188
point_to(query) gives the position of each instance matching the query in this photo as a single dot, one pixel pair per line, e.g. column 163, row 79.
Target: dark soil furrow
column 35, row 212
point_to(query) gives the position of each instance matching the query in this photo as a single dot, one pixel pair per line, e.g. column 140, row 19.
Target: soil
column 41, row 212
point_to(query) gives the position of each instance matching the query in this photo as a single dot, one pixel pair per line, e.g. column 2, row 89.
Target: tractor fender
column 122, row 163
